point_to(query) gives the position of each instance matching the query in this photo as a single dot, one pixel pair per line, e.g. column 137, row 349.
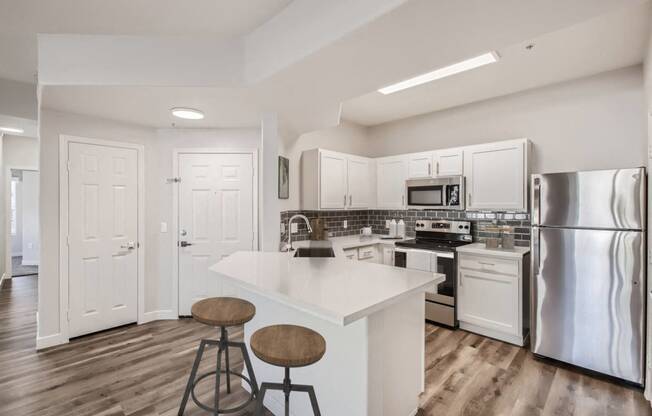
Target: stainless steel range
column 434, row 249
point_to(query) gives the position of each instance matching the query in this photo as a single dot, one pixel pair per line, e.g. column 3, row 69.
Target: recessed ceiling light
column 187, row 113
column 12, row 130
column 478, row 61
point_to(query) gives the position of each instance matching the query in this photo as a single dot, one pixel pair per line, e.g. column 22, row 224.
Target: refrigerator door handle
column 536, row 200
column 534, row 273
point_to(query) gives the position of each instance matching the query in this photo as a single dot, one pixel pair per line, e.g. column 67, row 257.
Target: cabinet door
column 495, row 176
column 388, row 256
column 391, row 175
column 359, row 182
column 488, row 300
column 420, row 165
column 449, row 162
column 332, row 180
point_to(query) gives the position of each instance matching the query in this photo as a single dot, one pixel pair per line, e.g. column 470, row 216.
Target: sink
column 314, row 252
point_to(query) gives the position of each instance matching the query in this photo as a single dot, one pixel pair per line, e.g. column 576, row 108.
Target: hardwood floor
column 142, row 371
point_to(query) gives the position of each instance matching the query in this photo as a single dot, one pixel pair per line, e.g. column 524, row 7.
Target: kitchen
column 347, row 208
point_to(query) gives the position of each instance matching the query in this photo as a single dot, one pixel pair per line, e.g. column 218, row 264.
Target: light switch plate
column 282, row 228
column 164, row 227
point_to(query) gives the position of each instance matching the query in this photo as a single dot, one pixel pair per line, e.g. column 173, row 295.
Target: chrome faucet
column 288, row 247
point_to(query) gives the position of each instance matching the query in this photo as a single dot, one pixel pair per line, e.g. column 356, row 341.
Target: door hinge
column 67, row 240
column 173, row 180
column 68, row 315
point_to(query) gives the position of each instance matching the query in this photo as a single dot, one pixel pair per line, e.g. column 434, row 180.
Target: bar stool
column 287, row 346
column 221, row 313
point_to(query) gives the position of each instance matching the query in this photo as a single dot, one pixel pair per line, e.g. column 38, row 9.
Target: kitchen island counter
column 371, row 315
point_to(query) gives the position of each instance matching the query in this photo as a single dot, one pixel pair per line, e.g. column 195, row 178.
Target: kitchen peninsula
column 371, row 316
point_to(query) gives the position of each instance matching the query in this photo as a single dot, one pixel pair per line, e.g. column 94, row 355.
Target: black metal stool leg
column 313, row 401
column 191, row 379
column 225, row 341
column 287, row 387
column 260, row 399
column 217, row 380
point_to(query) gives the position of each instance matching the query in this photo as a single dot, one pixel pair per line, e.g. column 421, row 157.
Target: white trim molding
column 167, row 314
column 64, row 140
column 50, row 341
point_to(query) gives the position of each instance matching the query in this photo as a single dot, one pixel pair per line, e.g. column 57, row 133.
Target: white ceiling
column 573, row 39
column 22, row 20
column 611, row 41
column 150, row 106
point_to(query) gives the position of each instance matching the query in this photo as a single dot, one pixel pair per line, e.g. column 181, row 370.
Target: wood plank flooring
column 142, row 371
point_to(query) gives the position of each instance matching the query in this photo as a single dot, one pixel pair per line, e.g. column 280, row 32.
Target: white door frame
column 175, row 205
column 64, row 140
column 8, row 256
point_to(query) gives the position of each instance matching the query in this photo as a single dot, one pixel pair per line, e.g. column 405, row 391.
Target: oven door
column 426, row 196
column 444, row 263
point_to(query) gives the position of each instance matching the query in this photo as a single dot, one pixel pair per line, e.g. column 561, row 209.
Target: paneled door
column 216, row 218
column 102, row 237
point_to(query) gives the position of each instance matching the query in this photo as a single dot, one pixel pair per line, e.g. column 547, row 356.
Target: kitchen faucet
column 288, row 247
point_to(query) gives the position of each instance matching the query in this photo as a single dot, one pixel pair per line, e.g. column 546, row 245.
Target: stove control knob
column 460, row 226
column 466, row 227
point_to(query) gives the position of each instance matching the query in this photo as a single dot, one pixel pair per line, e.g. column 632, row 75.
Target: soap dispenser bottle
column 392, row 228
column 400, row 228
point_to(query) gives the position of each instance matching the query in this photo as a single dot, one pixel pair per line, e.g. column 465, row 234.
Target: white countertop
column 334, row 289
column 479, row 248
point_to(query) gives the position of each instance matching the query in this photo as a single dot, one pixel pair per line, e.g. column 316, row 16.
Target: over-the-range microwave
column 437, row 193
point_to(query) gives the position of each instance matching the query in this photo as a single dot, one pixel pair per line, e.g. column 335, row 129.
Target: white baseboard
column 50, row 341
column 501, row 336
column 166, row 314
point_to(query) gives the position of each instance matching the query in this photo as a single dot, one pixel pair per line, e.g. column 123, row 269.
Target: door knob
column 184, row 244
column 129, row 246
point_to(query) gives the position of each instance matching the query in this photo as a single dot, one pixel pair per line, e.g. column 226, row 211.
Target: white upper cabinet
column 391, row 173
column 420, row 165
column 449, row 162
column 333, row 180
column 360, row 184
column 496, row 176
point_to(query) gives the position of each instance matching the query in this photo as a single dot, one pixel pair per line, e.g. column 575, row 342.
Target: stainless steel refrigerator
column 588, row 270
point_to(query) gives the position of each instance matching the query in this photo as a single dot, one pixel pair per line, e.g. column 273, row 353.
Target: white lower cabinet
column 388, row 255
column 492, row 296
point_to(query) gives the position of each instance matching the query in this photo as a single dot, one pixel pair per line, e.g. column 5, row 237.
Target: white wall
column 20, row 152
column 347, row 137
column 591, row 123
column 17, row 239
column 30, row 210
column 159, row 146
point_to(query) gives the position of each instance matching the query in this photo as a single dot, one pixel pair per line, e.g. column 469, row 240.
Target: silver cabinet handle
column 350, row 200
column 402, row 200
column 486, row 264
column 470, row 203
column 459, row 278
column 437, row 168
column 344, row 200
column 429, row 168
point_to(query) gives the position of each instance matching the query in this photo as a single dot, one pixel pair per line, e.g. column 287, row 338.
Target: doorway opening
column 23, row 244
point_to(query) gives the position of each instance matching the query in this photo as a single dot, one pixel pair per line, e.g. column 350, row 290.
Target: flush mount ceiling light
column 478, row 61
column 187, row 113
column 12, row 130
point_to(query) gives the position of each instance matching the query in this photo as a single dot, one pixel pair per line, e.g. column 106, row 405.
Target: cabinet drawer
column 367, row 252
column 489, row 264
column 351, row 254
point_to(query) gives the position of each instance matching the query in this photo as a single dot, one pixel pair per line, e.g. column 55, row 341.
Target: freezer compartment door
column 588, row 297
column 608, row 199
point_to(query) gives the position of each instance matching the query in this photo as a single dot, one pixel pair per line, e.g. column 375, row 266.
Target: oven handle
column 444, row 254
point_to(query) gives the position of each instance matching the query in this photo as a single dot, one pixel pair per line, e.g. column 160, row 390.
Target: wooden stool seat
column 223, row 311
column 288, row 345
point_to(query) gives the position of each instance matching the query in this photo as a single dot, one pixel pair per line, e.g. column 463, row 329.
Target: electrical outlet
column 345, row 225
column 386, row 223
column 282, row 228
column 294, row 228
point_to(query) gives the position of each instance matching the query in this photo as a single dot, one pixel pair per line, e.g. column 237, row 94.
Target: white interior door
column 102, row 232
column 216, row 218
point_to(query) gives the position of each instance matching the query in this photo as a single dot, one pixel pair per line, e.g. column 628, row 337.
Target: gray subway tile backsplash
column 356, row 219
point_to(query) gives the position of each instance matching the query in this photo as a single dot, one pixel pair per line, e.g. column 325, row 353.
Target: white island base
column 371, row 316
column 364, row 370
